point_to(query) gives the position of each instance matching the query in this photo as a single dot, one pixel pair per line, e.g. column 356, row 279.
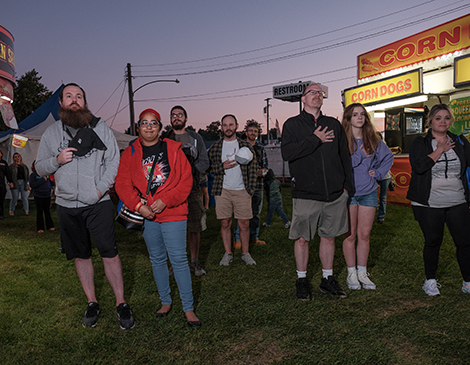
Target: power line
column 109, row 96
column 251, row 87
column 314, row 50
column 290, row 42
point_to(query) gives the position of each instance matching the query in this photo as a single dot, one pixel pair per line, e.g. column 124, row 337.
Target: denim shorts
column 368, row 200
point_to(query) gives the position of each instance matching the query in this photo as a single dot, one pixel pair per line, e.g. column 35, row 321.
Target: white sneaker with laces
column 248, row 259
column 226, row 260
column 363, row 277
column 466, row 287
column 431, row 287
column 352, row 281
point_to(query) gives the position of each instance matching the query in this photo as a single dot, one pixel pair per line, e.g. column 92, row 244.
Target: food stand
column 399, row 82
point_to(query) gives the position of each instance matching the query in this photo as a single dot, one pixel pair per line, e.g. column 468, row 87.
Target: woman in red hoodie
column 165, row 210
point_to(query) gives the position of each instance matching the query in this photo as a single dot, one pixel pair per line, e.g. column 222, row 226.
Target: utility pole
column 267, row 116
column 132, row 92
column 131, row 100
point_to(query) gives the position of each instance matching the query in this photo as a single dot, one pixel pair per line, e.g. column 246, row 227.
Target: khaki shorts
column 196, row 212
column 331, row 218
column 233, row 201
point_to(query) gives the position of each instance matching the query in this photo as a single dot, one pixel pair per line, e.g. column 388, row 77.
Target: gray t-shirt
column 446, row 188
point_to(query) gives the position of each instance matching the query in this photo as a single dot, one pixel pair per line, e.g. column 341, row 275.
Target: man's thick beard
column 76, row 118
column 179, row 127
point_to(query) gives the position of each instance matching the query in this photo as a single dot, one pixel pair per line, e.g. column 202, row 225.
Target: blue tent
column 51, row 106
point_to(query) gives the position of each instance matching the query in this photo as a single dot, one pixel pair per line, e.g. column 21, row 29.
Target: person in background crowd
column 235, row 174
column 195, row 150
column 4, row 174
column 371, row 159
column 316, row 148
column 165, row 209
column 384, row 185
column 273, row 192
column 252, row 129
column 19, row 174
column 42, row 189
column 439, row 193
column 82, row 153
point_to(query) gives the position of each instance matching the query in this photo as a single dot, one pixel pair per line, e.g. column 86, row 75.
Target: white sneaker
column 226, row 260
column 431, row 287
column 352, row 281
column 466, row 287
column 248, row 259
column 363, row 277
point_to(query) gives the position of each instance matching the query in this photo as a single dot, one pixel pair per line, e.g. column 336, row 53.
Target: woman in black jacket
column 439, row 193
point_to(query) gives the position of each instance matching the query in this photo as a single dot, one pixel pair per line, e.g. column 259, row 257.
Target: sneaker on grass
column 352, row 281
column 303, row 288
column 331, row 286
column 227, row 259
column 363, row 277
column 431, row 287
column 92, row 312
column 196, row 268
column 466, row 287
column 248, row 259
column 126, row 319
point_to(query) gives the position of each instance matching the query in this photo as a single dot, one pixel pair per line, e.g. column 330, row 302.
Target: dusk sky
column 227, row 54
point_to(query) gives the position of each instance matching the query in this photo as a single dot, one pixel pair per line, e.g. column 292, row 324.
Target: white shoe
column 431, row 287
column 466, row 287
column 226, row 260
column 248, row 259
column 352, row 281
column 363, row 277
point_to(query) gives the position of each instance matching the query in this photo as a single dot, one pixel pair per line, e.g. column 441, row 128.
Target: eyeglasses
column 179, row 115
column 315, row 92
column 146, row 124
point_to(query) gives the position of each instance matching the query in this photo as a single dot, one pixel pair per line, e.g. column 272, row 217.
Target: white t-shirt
column 233, row 179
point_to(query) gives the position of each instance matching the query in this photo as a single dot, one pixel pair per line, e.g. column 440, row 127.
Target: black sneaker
column 92, row 312
column 331, row 286
column 303, row 288
column 125, row 316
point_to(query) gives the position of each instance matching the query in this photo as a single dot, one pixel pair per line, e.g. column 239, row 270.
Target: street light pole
column 132, row 93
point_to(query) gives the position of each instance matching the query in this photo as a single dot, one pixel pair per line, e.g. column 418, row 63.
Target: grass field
column 250, row 313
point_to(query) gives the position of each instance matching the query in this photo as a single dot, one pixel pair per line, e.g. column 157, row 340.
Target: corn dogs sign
column 392, row 88
column 446, row 38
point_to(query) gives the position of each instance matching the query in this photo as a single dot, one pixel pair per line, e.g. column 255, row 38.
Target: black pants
column 43, row 206
column 3, row 192
column 431, row 221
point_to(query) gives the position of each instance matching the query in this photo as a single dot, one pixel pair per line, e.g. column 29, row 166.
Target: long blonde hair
column 369, row 134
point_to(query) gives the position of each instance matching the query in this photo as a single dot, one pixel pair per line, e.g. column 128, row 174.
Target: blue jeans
column 24, row 196
column 383, row 199
column 169, row 238
column 276, row 206
column 256, row 206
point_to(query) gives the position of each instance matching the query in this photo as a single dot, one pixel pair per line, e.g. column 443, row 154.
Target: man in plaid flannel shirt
column 234, row 184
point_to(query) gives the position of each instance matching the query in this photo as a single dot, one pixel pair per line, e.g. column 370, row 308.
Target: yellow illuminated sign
column 462, row 71
column 392, row 88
